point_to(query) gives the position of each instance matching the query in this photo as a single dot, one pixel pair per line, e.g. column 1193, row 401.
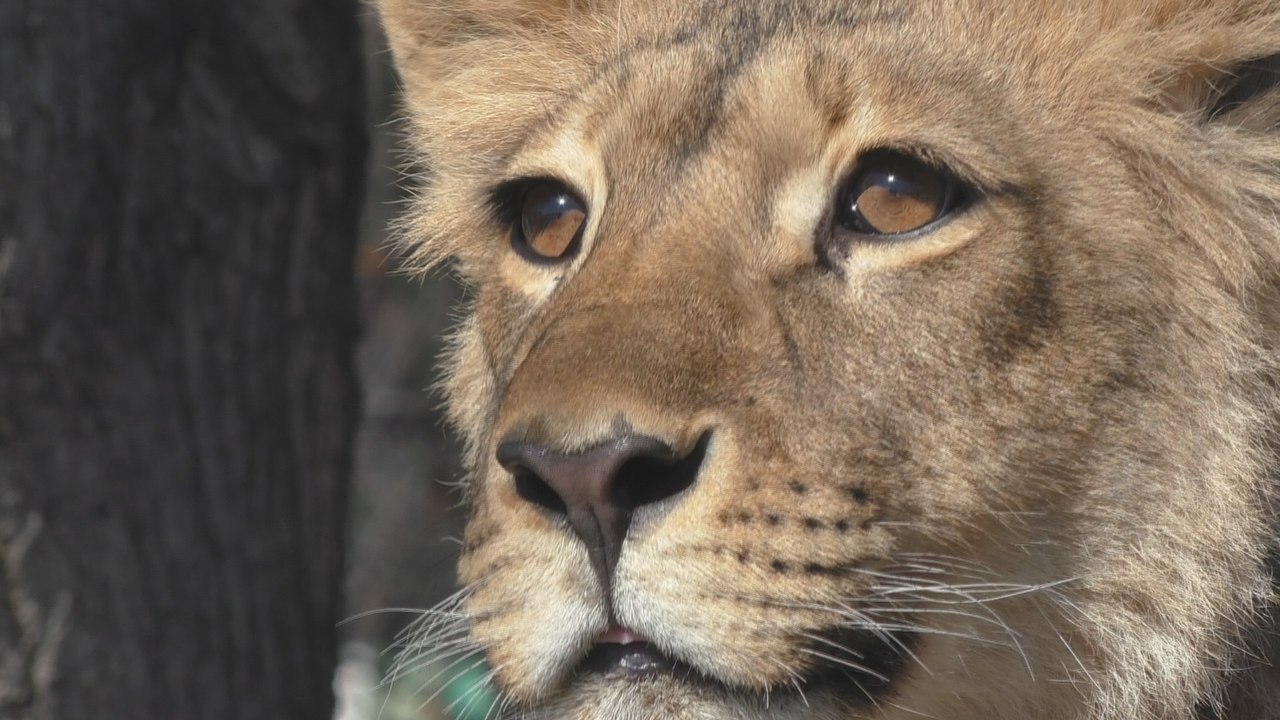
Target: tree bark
column 179, row 191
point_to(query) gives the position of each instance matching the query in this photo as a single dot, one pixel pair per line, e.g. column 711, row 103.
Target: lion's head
column 857, row 359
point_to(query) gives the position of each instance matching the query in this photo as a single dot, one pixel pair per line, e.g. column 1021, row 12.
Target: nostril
column 520, row 459
column 607, row 481
column 647, row 479
column 535, row 490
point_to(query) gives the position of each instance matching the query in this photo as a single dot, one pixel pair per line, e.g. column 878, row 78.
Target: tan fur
column 1039, row 435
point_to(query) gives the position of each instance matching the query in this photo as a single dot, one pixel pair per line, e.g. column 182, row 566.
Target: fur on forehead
column 477, row 74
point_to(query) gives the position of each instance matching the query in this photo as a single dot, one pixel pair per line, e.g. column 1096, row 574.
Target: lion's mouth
column 624, row 650
column 855, row 660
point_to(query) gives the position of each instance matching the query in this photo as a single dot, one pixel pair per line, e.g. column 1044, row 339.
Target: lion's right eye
column 550, row 224
column 895, row 194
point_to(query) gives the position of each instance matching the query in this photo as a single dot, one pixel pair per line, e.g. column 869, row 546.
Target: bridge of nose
column 634, row 343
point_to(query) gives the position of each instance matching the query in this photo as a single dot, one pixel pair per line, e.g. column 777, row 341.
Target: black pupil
column 898, row 182
column 542, row 208
column 889, row 180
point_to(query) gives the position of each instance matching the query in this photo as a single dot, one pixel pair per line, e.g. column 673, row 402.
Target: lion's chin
column 621, row 695
column 627, row 695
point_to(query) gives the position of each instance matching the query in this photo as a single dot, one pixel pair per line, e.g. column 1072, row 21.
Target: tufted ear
column 1249, row 96
column 419, row 29
column 1226, row 65
column 475, row 74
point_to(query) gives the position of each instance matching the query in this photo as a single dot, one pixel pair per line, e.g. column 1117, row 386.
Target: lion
column 857, row 359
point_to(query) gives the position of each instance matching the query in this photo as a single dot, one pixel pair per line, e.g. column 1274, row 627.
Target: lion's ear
column 1244, row 93
column 419, row 29
column 1226, row 64
column 1248, row 96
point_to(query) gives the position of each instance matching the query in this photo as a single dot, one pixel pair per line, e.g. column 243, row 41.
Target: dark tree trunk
column 179, row 186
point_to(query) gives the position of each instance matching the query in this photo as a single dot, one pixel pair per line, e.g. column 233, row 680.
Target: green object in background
column 434, row 691
column 469, row 696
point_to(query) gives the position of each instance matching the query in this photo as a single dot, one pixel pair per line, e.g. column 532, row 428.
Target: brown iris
column 551, row 222
column 892, row 194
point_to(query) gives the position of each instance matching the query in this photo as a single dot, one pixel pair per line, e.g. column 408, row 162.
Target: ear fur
column 422, row 28
column 1250, row 98
column 1223, row 62
column 474, row 75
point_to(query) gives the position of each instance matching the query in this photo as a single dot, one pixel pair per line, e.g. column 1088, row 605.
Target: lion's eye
column 892, row 194
column 550, row 223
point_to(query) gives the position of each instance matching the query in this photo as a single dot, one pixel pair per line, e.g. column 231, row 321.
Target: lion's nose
column 597, row 489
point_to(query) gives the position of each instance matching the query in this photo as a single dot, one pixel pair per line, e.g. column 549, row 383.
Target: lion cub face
column 832, row 360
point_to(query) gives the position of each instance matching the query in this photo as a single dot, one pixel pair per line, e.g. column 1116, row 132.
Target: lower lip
column 631, row 658
column 618, row 635
column 623, row 652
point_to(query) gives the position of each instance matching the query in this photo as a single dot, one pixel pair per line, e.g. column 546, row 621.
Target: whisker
column 831, row 643
column 846, row 663
column 476, row 691
column 456, row 675
column 794, row 677
column 425, row 660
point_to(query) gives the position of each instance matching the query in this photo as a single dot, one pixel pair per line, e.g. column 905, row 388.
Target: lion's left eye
column 550, row 223
column 892, row 194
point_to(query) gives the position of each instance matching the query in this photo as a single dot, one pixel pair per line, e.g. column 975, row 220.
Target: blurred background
column 405, row 519
column 224, row 481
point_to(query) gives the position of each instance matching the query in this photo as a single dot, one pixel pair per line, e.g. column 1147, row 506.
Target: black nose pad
column 598, row 489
